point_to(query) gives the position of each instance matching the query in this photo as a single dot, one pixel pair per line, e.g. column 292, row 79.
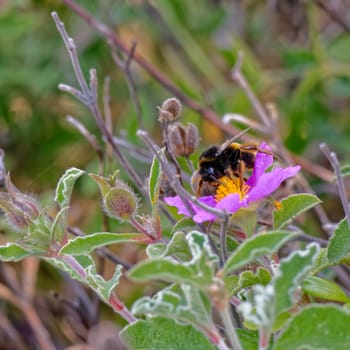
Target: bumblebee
column 230, row 159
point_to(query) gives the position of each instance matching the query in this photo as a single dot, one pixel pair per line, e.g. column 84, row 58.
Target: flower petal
column 262, row 162
column 230, row 203
column 200, row 215
column 269, row 182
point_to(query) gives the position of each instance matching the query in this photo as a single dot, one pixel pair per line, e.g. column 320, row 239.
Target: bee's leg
column 241, row 168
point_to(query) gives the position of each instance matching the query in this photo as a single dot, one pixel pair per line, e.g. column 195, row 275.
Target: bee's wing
column 228, row 142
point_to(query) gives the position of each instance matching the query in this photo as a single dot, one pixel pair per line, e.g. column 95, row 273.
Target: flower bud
column 118, row 199
column 170, row 110
column 20, row 209
column 183, row 141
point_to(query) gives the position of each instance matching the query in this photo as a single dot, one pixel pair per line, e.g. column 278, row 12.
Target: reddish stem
column 121, row 309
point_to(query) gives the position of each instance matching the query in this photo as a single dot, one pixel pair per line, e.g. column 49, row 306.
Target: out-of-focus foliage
column 295, row 55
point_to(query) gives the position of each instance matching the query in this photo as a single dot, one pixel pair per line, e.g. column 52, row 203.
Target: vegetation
column 247, row 254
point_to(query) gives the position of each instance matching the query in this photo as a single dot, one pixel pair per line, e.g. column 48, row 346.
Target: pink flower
column 234, row 196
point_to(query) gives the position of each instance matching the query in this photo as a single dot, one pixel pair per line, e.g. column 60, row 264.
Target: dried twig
column 333, row 159
column 124, row 65
column 111, row 36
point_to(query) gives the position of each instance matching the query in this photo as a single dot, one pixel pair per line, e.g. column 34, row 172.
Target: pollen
column 230, row 185
column 277, row 205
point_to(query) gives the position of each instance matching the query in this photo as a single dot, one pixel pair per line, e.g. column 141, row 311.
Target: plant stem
column 230, row 329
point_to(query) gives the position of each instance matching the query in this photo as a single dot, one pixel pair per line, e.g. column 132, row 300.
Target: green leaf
column 317, row 327
column 198, row 271
column 181, row 302
column 65, row 185
column 156, row 250
column 292, row 271
column 100, row 285
column 292, row 206
column 155, row 178
column 249, row 339
column 58, row 227
column 13, row 252
column 254, row 247
column 321, row 261
column 161, row 269
column 340, row 48
column 178, row 247
column 85, row 244
column 160, row 333
column 324, row 289
column 249, row 278
column 339, row 244
column 183, row 225
column 345, row 170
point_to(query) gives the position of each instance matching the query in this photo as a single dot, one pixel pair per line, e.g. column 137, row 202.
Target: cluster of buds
column 21, row 209
column 119, row 201
column 182, row 141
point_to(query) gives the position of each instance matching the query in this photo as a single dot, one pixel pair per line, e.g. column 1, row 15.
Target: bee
column 230, row 159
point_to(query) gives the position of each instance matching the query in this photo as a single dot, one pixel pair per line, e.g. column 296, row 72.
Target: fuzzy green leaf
column 85, row 244
column 161, row 269
column 317, row 327
column 58, row 227
column 292, row 271
column 183, row 225
column 339, row 244
column 65, row 185
column 254, row 247
column 160, row 333
column 249, row 278
column 155, row 178
column 292, row 206
column 100, row 285
column 13, row 252
column 182, row 302
column 324, row 289
column 178, row 246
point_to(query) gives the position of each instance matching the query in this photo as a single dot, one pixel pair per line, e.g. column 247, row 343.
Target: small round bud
column 120, row 203
column 118, row 199
column 170, row 110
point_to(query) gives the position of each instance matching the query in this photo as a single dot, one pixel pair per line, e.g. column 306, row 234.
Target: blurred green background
column 296, row 54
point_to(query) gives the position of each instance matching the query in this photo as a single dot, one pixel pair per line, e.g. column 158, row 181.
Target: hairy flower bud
column 183, row 141
column 20, row 209
column 118, row 199
column 170, row 110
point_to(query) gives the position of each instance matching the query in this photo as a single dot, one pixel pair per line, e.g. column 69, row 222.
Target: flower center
column 230, row 185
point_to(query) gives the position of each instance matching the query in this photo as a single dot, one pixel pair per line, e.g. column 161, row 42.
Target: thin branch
column 90, row 95
column 242, row 82
column 333, row 159
column 230, row 329
column 90, row 138
column 106, row 104
column 223, row 228
column 111, row 36
column 124, row 65
column 324, row 5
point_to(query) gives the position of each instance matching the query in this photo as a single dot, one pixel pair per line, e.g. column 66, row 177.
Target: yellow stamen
column 277, row 204
column 230, row 185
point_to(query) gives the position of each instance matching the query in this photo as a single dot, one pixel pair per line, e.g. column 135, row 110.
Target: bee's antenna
column 228, row 142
